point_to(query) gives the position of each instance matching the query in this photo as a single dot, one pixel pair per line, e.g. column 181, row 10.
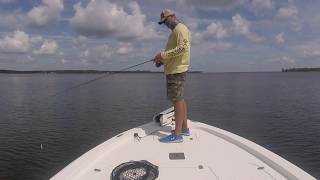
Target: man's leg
column 185, row 122
column 175, row 92
column 179, row 115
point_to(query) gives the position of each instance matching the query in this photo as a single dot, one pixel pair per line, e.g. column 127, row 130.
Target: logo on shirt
column 185, row 41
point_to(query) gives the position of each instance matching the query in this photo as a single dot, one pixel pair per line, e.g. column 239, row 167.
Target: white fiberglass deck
column 210, row 153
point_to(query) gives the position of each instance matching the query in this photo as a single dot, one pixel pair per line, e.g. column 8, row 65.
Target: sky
column 227, row 35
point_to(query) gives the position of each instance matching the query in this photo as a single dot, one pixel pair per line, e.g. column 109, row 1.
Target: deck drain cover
column 135, row 170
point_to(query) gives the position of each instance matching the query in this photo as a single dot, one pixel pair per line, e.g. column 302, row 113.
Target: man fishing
column 176, row 60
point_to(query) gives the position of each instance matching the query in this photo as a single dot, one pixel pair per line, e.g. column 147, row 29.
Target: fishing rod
column 93, row 80
column 98, row 78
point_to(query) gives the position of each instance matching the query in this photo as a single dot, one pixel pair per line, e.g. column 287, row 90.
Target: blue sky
column 227, row 35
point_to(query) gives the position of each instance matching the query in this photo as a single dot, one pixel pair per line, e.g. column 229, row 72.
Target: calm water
column 280, row 111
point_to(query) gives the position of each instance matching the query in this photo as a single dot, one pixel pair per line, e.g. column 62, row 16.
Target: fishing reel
column 159, row 64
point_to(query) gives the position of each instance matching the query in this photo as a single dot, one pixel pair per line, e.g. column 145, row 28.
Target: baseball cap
column 164, row 14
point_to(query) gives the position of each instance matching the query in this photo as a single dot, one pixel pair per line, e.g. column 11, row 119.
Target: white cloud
column 101, row 51
column 11, row 20
column 38, row 16
column 255, row 38
column 214, row 31
column 221, row 37
column 48, row 47
column 220, row 46
column 97, row 55
column 18, row 43
column 104, row 18
column 217, row 31
column 290, row 14
column 63, row 61
column 36, row 39
column 8, row 20
column 124, row 49
column 214, row 4
column 107, row 52
column 80, row 41
column 45, row 14
column 310, row 49
column 261, row 6
column 21, row 42
column 208, row 48
column 287, row 59
column 279, row 38
column 241, row 26
column 313, row 52
column 190, row 21
column 287, row 13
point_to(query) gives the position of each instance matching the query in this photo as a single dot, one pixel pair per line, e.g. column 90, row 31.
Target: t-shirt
column 177, row 54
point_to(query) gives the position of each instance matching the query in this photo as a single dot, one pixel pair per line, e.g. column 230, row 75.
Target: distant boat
column 209, row 153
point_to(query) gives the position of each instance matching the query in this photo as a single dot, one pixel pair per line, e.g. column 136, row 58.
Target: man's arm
column 182, row 47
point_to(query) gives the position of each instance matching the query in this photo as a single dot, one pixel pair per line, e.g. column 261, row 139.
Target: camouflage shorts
column 175, row 86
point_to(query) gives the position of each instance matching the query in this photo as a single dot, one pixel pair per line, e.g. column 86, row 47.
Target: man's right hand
column 158, row 64
column 158, row 60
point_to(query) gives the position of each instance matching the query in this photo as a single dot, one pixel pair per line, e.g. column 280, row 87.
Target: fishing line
column 98, row 78
column 91, row 81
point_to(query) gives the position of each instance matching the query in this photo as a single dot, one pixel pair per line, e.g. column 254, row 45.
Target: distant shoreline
column 78, row 72
column 301, row 70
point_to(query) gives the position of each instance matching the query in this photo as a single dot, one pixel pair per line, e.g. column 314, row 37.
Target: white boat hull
column 209, row 153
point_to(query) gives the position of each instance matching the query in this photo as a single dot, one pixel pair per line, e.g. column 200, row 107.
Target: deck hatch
column 176, row 156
